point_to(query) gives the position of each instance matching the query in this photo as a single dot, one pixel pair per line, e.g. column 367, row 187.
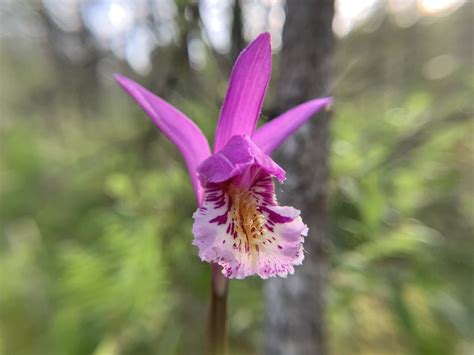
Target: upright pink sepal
column 246, row 91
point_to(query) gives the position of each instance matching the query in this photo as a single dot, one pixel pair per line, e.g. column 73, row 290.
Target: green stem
column 217, row 312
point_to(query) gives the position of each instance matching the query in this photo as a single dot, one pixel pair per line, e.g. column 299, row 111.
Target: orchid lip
column 246, row 232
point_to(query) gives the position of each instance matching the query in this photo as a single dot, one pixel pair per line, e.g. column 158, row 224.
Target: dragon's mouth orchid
column 238, row 224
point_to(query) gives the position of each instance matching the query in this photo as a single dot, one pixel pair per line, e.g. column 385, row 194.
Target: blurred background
column 95, row 205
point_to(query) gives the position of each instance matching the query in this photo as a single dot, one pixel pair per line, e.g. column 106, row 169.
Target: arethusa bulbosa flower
column 238, row 224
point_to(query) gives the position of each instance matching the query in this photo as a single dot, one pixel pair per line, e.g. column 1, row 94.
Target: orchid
column 238, row 224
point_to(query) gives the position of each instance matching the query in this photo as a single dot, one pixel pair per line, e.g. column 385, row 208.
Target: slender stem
column 217, row 312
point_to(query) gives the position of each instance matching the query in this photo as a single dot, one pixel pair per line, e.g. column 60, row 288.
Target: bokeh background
column 95, row 205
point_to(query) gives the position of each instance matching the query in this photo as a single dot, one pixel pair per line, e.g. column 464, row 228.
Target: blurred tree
column 295, row 306
column 74, row 58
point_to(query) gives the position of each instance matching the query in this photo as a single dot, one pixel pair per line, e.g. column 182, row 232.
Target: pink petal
column 247, row 233
column 238, row 156
column 246, row 91
column 272, row 134
column 178, row 128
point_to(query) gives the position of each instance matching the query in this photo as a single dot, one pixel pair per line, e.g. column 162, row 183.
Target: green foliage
column 402, row 225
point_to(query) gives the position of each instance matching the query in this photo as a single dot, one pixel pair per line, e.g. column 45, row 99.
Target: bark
column 295, row 321
column 238, row 42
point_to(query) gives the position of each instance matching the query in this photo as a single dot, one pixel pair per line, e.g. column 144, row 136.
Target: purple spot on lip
column 275, row 217
column 219, row 219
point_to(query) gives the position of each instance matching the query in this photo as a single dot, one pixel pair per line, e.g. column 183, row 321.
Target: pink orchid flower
column 238, row 224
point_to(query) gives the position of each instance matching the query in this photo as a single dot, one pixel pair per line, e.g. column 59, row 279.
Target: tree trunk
column 295, row 323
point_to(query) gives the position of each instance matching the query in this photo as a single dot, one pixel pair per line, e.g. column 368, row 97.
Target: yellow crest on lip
column 249, row 222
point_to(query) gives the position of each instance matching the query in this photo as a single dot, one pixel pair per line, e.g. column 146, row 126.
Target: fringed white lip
column 246, row 232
